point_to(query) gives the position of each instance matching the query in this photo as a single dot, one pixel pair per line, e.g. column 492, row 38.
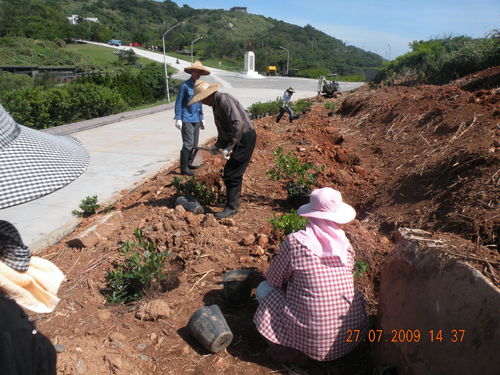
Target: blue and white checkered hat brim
column 33, row 164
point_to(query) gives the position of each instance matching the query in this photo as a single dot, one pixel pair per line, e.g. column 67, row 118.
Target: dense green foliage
column 259, row 109
column 225, row 34
column 439, row 61
column 88, row 97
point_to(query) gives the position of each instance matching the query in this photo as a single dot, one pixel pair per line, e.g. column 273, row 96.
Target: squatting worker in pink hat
column 308, row 302
column 189, row 117
column 236, row 138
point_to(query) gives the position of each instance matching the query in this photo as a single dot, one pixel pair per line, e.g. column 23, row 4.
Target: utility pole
column 287, row 58
column 165, row 59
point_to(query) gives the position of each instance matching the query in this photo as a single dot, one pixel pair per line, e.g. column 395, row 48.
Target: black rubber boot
column 184, row 163
column 232, row 205
column 191, row 159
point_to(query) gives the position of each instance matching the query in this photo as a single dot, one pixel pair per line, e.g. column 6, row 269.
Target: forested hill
column 225, row 33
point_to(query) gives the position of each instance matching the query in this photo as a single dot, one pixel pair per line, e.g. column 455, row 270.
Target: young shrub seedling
column 200, row 191
column 132, row 277
column 297, row 177
column 88, row 207
column 360, row 268
column 288, row 223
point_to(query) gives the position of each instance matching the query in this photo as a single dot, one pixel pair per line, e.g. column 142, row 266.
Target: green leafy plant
column 330, row 106
column 199, row 190
column 360, row 268
column 260, row 109
column 302, row 105
column 88, row 207
column 298, row 177
column 289, row 223
column 132, row 277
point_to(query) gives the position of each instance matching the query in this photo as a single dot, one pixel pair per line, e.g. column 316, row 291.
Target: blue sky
column 385, row 27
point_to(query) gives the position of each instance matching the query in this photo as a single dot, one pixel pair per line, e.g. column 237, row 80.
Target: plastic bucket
column 209, row 327
column 237, row 286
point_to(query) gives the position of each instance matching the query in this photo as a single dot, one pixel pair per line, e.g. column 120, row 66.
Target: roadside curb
column 106, row 120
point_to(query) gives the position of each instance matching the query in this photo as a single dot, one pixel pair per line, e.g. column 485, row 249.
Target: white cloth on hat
column 35, row 289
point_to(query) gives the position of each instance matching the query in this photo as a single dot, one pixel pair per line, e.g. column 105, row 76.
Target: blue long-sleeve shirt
column 184, row 112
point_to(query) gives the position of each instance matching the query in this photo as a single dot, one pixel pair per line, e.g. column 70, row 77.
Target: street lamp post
column 287, row 58
column 165, row 59
column 388, row 45
column 192, row 47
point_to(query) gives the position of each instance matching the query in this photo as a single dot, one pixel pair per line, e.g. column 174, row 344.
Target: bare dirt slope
column 425, row 157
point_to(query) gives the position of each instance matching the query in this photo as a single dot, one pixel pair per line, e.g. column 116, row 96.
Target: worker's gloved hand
column 214, row 149
column 202, row 125
column 178, row 124
column 226, row 153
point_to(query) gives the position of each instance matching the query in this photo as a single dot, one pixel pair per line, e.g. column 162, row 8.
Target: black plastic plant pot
column 209, row 327
column 237, row 286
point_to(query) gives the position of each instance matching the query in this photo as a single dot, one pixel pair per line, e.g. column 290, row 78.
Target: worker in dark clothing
column 236, row 139
column 32, row 283
column 189, row 118
column 285, row 105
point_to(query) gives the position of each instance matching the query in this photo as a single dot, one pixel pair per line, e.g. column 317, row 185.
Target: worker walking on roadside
column 286, row 105
column 236, row 138
column 189, row 118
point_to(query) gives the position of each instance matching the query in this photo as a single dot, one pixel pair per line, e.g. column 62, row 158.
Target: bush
column 200, row 191
column 131, row 277
column 330, row 106
column 298, row 178
column 12, row 82
column 302, row 105
column 40, row 109
column 289, row 223
column 88, row 207
column 259, row 109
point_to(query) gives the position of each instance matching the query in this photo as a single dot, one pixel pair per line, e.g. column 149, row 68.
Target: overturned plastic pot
column 237, row 286
column 209, row 327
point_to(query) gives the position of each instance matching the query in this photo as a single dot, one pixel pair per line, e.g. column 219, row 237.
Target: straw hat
column 290, row 90
column 32, row 282
column 203, row 90
column 33, row 164
column 326, row 203
column 197, row 66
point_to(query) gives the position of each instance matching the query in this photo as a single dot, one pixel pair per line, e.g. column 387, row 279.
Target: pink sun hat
column 326, row 203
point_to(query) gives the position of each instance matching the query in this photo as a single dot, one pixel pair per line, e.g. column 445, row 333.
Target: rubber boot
column 232, row 205
column 184, row 163
column 191, row 159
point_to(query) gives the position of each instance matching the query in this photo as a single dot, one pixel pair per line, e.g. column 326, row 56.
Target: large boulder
column 453, row 307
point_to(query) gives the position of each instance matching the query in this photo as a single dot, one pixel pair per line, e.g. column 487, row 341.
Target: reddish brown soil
column 424, row 157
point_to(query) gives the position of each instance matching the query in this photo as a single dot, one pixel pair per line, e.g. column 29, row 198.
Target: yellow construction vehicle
column 271, row 70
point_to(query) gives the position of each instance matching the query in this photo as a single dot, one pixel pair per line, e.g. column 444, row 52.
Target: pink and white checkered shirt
column 315, row 303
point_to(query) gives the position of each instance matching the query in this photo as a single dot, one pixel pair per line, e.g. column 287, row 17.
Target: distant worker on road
column 189, row 118
column 236, row 138
column 286, row 105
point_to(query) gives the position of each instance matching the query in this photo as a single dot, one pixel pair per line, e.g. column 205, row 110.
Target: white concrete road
column 128, row 148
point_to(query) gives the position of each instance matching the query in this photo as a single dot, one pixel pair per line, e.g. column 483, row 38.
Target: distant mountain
column 226, row 34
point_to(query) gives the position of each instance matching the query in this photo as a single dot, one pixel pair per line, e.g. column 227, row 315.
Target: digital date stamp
column 406, row 335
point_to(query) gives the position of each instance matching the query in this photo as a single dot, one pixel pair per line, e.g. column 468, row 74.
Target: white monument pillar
column 249, row 63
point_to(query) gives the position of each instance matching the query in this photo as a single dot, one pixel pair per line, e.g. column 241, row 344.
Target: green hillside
column 225, row 34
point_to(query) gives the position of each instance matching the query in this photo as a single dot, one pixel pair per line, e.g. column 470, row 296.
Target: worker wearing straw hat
column 189, row 118
column 236, row 139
